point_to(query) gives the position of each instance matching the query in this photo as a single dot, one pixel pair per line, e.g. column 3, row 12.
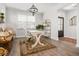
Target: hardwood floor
column 63, row 48
column 71, row 40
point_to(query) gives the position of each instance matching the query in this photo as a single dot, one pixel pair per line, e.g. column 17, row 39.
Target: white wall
column 61, row 13
column 70, row 31
column 54, row 26
column 52, row 14
column 77, row 27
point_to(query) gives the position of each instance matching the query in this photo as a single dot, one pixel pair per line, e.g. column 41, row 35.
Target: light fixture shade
column 33, row 10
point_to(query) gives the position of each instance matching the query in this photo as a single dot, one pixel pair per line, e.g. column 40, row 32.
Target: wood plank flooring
column 63, row 48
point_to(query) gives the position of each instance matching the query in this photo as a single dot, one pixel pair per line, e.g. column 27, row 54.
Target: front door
column 60, row 26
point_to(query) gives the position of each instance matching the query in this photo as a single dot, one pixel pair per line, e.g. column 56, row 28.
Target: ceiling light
column 33, row 10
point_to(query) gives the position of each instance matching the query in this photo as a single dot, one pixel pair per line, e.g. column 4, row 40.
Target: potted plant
column 1, row 17
column 40, row 27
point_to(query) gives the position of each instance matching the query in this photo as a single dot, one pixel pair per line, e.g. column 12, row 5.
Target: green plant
column 2, row 15
column 40, row 27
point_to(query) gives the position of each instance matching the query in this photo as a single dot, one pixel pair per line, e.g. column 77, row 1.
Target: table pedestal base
column 37, row 41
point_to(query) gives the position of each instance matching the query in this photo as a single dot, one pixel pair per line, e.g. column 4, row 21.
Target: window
column 22, row 18
column 31, row 19
column 60, row 23
column 25, row 21
column 31, row 22
column 26, row 18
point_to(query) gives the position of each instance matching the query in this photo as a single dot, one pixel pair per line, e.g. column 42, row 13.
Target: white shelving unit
column 48, row 29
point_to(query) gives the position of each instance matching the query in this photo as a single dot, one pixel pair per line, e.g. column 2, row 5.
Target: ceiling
column 41, row 6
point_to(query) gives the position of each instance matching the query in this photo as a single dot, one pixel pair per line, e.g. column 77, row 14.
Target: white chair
column 29, row 36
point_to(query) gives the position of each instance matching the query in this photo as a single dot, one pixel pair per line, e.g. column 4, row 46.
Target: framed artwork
column 73, row 20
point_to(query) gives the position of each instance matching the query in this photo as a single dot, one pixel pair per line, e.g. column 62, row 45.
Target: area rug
column 25, row 47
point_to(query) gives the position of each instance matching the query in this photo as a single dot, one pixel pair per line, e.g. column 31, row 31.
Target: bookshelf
column 47, row 31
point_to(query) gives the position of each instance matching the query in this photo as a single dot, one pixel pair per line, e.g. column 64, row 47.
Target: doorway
column 60, row 26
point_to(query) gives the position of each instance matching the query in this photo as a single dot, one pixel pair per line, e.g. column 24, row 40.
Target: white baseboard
column 19, row 36
column 77, row 45
column 54, row 38
column 70, row 37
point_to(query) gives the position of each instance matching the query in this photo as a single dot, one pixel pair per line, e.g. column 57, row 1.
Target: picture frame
column 73, row 20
